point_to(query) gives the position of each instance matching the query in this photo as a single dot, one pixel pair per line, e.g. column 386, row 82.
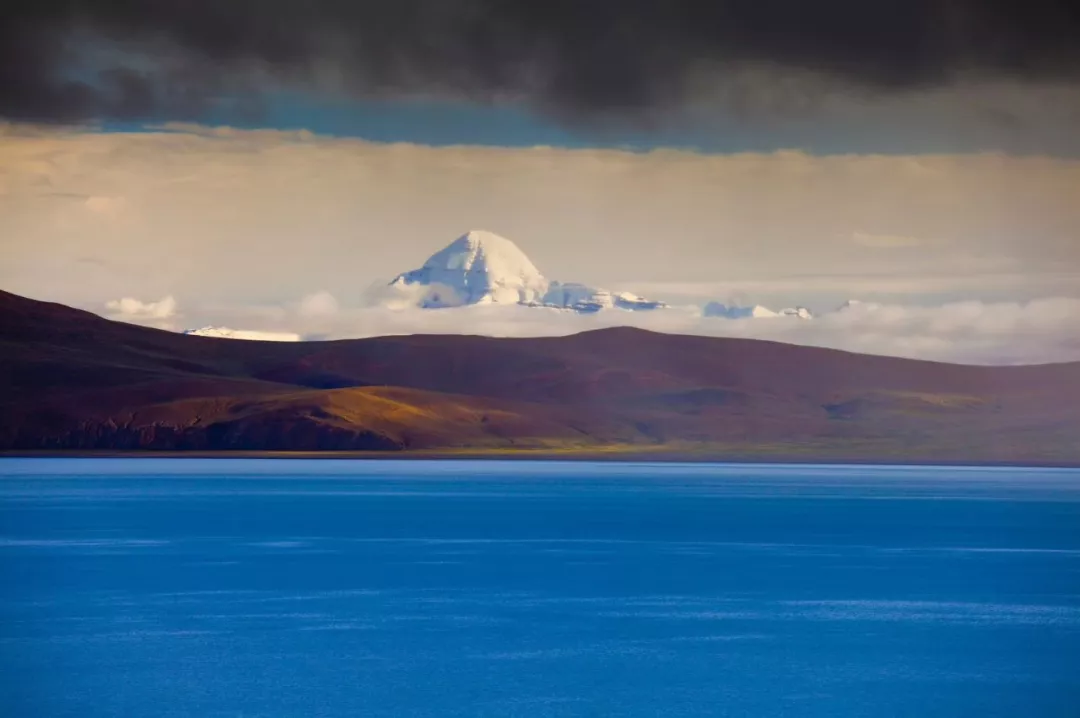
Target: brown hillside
column 70, row 379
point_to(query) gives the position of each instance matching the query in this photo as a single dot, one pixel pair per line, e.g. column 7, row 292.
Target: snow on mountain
column 585, row 299
column 477, row 268
column 227, row 333
column 484, row 268
column 716, row 309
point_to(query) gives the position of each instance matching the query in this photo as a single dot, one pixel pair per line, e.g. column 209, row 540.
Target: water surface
column 182, row 587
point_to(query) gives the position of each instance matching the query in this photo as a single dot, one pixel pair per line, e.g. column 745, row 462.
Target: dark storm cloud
column 578, row 59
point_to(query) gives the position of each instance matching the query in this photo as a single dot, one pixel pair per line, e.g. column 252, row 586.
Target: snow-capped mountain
column 477, row 268
column 484, row 268
column 716, row 309
column 226, row 333
column 581, row 298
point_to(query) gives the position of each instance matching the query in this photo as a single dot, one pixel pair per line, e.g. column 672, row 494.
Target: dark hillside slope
column 70, row 379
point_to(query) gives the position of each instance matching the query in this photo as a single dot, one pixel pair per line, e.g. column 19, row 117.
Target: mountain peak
column 479, row 267
column 483, row 239
column 482, row 267
column 482, row 252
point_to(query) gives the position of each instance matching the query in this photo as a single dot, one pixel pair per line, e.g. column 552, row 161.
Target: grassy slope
column 73, row 380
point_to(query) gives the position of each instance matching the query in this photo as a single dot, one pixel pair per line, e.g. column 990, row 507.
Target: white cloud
column 825, row 291
column 402, row 296
column 247, row 334
column 319, row 304
column 129, row 309
column 1044, row 330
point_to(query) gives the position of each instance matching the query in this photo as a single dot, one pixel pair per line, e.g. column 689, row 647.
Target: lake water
column 248, row 588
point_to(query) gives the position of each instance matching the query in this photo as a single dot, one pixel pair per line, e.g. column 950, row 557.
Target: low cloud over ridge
column 973, row 332
column 158, row 313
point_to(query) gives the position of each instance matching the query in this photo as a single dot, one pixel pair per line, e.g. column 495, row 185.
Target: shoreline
column 616, row 456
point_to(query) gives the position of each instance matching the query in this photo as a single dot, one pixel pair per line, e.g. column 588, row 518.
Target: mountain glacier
column 482, row 267
column 582, row 298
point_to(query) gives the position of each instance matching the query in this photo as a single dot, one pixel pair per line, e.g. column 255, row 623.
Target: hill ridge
column 72, row 380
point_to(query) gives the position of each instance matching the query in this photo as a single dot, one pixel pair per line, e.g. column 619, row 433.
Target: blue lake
column 195, row 587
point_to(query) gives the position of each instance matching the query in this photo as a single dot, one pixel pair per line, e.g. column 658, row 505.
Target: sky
column 269, row 166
